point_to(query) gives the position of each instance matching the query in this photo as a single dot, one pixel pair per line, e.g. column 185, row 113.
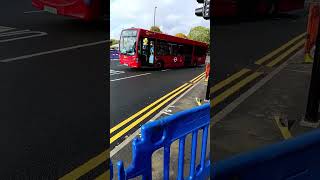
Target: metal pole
column 154, row 16
column 314, row 89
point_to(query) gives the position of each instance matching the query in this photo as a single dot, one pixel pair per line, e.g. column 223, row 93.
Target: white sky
column 172, row 16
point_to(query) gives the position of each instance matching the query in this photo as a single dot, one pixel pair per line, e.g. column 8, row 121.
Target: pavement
column 184, row 101
column 269, row 112
column 53, row 98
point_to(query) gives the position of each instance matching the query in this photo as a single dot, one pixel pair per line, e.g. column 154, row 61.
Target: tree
column 200, row 33
column 113, row 42
column 181, row 35
column 155, row 29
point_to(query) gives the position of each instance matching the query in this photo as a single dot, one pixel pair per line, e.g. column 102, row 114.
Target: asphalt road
column 238, row 43
column 53, row 106
column 133, row 89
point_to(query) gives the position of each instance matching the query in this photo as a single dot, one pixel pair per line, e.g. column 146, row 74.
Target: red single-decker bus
column 142, row 48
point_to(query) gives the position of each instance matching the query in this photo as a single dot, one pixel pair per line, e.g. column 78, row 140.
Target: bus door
column 187, row 52
column 147, row 52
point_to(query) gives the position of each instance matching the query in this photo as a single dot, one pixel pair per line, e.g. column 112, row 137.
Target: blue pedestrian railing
column 161, row 134
column 293, row 159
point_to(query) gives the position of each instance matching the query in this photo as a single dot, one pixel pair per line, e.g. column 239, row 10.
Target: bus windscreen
column 128, row 42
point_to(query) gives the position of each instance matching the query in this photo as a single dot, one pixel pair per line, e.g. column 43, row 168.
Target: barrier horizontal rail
column 294, row 159
column 161, row 134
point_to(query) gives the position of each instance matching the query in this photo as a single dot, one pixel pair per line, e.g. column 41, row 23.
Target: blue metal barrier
column 162, row 133
column 111, row 170
column 294, row 159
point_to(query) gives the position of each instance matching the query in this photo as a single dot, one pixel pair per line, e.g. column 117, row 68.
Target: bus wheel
column 159, row 65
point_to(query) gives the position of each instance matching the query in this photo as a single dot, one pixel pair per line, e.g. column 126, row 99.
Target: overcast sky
column 172, row 16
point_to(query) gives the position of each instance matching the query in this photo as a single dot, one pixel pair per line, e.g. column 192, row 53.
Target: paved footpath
column 269, row 115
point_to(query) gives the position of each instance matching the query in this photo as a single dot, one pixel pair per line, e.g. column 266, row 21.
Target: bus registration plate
column 50, row 9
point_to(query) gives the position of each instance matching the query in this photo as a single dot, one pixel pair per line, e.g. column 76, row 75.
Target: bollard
column 312, row 29
column 207, row 71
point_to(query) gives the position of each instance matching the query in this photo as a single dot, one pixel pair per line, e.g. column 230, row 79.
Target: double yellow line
column 270, row 60
column 150, row 109
column 233, row 89
column 102, row 157
column 289, row 47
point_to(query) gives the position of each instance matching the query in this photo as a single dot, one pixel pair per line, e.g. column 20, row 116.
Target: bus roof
column 167, row 37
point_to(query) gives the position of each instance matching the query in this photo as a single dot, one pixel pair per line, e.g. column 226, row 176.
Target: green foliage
column 113, row 42
column 155, row 29
column 200, row 33
column 181, row 35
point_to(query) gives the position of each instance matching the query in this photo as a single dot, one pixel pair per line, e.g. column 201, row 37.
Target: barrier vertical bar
column 148, row 172
column 111, row 169
column 181, row 157
column 166, row 161
column 204, row 147
column 314, row 89
column 193, row 153
column 121, row 172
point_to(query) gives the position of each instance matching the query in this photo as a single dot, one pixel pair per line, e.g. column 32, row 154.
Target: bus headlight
column 137, row 59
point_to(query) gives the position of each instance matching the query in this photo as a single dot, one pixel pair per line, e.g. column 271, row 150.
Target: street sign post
column 312, row 111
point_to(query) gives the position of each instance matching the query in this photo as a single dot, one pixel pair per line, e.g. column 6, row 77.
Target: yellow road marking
column 86, row 167
column 228, row 80
column 286, row 54
column 221, row 97
column 198, row 100
column 104, row 176
column 144, row 109
column 197, row 80
column 196, row 77
column 284, row 130
column 96, row 161
column 136, row 122
column 273, row 53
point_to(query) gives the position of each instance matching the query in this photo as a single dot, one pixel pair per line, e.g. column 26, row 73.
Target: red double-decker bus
column 142, row 48
column 222, row 8
column 83, row 9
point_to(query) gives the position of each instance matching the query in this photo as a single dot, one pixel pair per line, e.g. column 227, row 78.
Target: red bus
column 222, row 8
column 142, row 48
column 83, row 9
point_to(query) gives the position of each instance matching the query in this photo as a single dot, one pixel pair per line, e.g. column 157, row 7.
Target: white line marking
column 53, row 51
column 114, row 72
column 25, row 37
column 130, row 77
column 224, row 112
column 116, row 149
column 4, row 28
column 14, row 33
column 167, row 113
column 28, row 12
column 165, row 70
